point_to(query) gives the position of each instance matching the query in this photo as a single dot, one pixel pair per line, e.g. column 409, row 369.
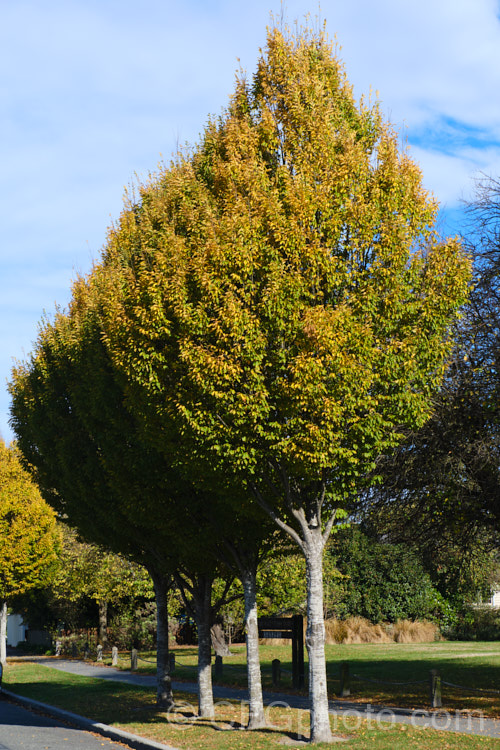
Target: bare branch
column 329, row 526
column 278, row 521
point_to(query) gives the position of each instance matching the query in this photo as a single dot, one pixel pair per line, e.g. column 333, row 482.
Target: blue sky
column 95, row 91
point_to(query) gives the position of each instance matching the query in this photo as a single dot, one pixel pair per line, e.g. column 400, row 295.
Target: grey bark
column 164, row 695
column 311, row 539
column 256, row 716
column 315, row 638
column 3, row 632
column 219, row 643
column 199, row 607
column 245, row 562
column 103, row 621
column 203, row 610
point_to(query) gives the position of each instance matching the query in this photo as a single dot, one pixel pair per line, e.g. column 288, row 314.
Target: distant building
column 490, row 600
column 495, row 598
column 16, row 630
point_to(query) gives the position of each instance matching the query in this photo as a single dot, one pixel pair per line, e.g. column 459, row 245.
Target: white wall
column 495, row 599
column 16, row 630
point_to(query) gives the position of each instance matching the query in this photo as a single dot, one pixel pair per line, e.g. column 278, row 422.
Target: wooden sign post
column 289, row 628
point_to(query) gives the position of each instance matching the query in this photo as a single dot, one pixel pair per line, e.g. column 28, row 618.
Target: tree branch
column 278, row 521
column 329, row 526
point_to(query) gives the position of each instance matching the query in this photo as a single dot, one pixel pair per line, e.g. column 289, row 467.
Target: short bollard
column 114, row 656
column 435, row 688
column 218, row 667
column 171, row 662
column 99, row 653
column 133, row 659
column 345, row 680
column 276, row 666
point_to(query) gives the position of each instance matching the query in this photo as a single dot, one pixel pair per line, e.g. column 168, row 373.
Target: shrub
column 406, row 631
column 361, row 630
column 382, row 582
column 355, row 630
column 135, row 625
column 477, row 624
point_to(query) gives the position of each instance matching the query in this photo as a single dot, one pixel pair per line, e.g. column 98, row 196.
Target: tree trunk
column 315, row 638
column 103, row 621
column 256, row 717
column 219, row 643
column 3, row 633
column 164, row 695
column 203, row 606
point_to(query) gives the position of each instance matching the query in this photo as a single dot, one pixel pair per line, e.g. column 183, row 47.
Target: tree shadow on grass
column 370, row 680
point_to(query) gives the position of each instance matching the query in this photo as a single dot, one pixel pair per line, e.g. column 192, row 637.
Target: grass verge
column 133, row 710
column 472, row 665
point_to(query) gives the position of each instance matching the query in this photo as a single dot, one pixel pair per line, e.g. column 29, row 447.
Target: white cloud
column 93, row 90
column 450, row 178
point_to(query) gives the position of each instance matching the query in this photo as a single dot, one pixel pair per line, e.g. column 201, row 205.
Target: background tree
column 96, row 465
column 28, row 535
column 87, row 571
column 382, row 582
column 440, row 489
column 85, row 451
column 283, row 296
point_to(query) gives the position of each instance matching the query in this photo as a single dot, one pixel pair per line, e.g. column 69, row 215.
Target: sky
column 95, row 93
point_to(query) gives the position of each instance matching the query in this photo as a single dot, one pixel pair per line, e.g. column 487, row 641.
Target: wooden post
column 171, row 658
column 435, row 688
column 218, row 667
column 276, row 665
column 114, row 656
column 298, row 651
column 99, row 653
column 345, row 680
column 133, row 659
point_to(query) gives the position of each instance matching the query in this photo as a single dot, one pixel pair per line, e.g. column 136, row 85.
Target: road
column 21, row 729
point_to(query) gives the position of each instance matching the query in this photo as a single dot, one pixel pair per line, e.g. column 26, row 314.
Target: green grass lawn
column 471, row 664
column 133, row 710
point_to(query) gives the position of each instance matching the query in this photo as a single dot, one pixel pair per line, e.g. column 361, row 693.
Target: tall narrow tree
column 85, row 453
column 284, row 297
column 96, row 464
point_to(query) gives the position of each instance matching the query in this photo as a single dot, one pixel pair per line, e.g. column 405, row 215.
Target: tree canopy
column 99, row 467
column 29, row 538
column 280, row 294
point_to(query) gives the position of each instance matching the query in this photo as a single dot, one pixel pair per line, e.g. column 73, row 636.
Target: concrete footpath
column 454, row 721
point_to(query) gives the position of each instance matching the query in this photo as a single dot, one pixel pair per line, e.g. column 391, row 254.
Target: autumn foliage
column 276, row 302
column 28, row 535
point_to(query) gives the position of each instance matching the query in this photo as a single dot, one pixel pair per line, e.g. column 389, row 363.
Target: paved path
column 454, row 721
column 21, row 729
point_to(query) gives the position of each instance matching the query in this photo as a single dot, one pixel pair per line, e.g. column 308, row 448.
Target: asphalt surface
column 22, row 729
column 454, row 721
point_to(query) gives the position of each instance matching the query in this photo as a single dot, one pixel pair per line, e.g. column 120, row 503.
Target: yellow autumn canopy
column 29, row 538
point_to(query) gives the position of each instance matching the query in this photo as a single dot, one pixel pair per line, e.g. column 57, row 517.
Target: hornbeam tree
column 94, row 463
column 86, row 455
column 280, row 292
